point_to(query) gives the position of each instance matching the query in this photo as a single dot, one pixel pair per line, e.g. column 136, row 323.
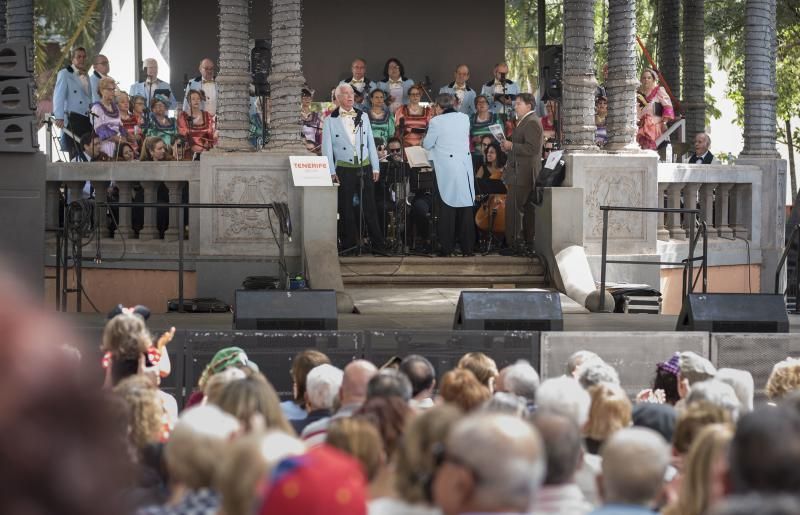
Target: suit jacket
column 467, row 103
column 141, row 89
column 705, row 160
column 336, row 144
column 525, row 158
column 448, row 142
column 70, row 96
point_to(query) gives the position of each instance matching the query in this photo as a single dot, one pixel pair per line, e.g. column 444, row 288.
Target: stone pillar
column 149, row 230
column 707, row 208
column 101, row 196
column 124, row 228
column 19, row 21
column 579, row 83
column 760, row 92
column 233, row 81
column 622, row 76
column 174, row 188
column 721, row 210
column 690, row 192
column 676, row 230
column 694, row 68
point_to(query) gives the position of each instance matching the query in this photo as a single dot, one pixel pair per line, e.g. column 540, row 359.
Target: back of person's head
column 389, row 383
column 247, row 461
column 742, row 383
column 302, row 364
column 785, row 378
column 609, row 412
column 508, row 403
column 126, row 337
column 225, row 359
column 389, row 415
column 715, row 392
column 322, row 386
column 420, row 372
column 520, row 379
column 562, row 443
column 698, row 485
column 254, row 402
column 765, row 452
column 355, row 379
column 416, row 462
column 217, row 383
column 695, row 368
column 360, row 439
column 145, row 411
column 461, row 388
column 577, row 359
column 594, row 372
column 564, row 395
column 661, row 418
column 506, row 456
column 634, row 462
column 444, row 100
column 197, row 445
column 484, row 367
column 693, row 419
column 758, row 504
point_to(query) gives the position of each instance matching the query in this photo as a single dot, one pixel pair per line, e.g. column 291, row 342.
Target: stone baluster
column 100, row 197
column 124, row 229
column 721, row 210
column 741, row 210
column 690, row 192
column 663, row 233
column 707, row 208
column 174, row 188
column 149, row 230
column 676, row 231
column 52, row 205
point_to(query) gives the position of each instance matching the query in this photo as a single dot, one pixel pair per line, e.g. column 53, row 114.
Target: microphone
column 93, row 115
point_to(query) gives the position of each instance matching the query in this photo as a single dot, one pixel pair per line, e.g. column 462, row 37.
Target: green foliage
column 522, row 52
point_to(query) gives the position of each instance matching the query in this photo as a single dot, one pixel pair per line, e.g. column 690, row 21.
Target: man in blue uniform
column 463, row 95
column 502, row 90
column 152, row 85
column 72, row 98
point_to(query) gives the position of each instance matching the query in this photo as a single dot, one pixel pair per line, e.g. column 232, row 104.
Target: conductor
column 447, row 141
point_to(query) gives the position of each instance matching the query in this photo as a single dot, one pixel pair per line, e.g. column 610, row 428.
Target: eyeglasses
column 395, row 150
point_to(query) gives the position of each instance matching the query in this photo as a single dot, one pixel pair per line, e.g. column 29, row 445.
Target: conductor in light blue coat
column 447, row 142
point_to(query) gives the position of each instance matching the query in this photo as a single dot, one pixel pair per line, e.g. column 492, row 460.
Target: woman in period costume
column 655, row 110
column 160, row 125
column 480, row 121
column 411, row 121
column 380, row 117
column 311, row 121
column 106, row 120
column 196, row 127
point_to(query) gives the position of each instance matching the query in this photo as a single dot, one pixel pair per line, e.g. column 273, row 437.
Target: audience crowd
column 403, row 438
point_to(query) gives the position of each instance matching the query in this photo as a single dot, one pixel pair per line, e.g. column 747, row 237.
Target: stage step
column 452, row 272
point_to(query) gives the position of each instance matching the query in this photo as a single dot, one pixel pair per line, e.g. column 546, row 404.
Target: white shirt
column 349, row 123
column 84, row 78
column 210, row 90
column 396, row 92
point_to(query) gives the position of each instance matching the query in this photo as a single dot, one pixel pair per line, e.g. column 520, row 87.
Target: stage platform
column 415, row 309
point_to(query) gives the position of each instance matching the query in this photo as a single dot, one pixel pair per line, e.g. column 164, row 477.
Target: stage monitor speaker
column 18, row 134
column 734, row 313
column 17, row 97
column 278, row 309
column 509, row 310
column 16, row 60
column 550, row 72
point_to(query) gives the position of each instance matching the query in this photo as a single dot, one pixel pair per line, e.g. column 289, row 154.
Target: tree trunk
column 233, row 81
column 622, row 77
column 790, row 150
column 286, row 75
column 3, row 21
column 19, row 21
column 760, row 120
column 579, row 82
column 669, row 43
column 694, row 68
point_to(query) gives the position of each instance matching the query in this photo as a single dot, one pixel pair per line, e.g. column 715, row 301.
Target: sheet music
column 497, row 131
column 417, row 157
column 553, row 158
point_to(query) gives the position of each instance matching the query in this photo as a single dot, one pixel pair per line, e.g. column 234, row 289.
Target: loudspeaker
column 17, row 97
column 18, row 134
column 550, row 72
column 16, row 60
column 278, row 309
column 260, row 58
column 733, row 313
column 509, row 311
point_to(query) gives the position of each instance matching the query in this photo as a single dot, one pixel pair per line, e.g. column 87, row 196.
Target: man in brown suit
column 524, row 163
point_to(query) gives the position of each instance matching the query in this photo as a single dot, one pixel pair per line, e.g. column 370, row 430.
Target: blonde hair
column 126, row 336
column 250, row 397
column 711, row 443
column 104, row 82
column 609, row 411
column 484, row 367
column 462, row 388
column 145, row 410
column 785, row 378
column 416, row 460
column 693, row 419
column 359, row 438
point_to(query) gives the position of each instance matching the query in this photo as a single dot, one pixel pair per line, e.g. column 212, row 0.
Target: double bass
column 492, row 211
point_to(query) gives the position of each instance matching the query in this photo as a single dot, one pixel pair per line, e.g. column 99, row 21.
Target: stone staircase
column 437, row 272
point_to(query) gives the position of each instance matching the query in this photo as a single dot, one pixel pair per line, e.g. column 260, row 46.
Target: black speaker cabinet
column 18, row 134
column 509, row 310
column 16, row 61
column 734, row 313
column 287, row 310
column 17, row 97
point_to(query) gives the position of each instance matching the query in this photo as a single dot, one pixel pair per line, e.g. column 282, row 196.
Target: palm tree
column 760, row 86
column 669, row 43
column 286, row 75
column 19, row 19
column 694, row 70
column 622, row 82
column 233, row 106
column 579, row 82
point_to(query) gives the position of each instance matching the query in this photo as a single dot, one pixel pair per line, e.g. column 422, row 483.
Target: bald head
column 354, row 383
column 206, row 69
column 634, row 463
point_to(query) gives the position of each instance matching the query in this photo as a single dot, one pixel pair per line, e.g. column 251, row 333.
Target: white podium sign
column 310, row 171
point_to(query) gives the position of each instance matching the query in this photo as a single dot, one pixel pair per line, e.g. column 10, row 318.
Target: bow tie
column 460, row 88
column 395, row 82
column 357, row 81
column 210, row 81
column 347, row 114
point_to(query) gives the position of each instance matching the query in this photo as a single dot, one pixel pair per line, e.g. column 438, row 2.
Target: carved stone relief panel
column 616, row 188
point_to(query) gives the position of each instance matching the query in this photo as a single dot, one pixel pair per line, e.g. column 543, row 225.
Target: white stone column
column 174, row 188
column 676, row 230
column 124, row 229
column 707, row 208
column 149, row 230
column 721, row 210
